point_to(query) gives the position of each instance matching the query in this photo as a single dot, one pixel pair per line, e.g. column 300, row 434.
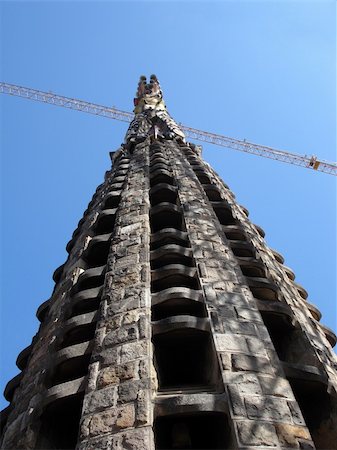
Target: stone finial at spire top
column 151, row 116
column 148, row 95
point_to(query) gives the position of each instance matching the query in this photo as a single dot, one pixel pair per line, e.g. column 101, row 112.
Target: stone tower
column 172, row 325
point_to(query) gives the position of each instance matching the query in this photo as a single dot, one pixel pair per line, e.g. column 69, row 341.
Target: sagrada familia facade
column 172, row 324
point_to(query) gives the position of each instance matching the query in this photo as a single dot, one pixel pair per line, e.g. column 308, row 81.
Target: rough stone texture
column 120, row 386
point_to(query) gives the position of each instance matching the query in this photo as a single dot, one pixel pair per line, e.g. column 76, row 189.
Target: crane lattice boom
column 310, row 162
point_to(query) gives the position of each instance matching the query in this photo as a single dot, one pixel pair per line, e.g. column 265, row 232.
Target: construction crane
column 310, row 162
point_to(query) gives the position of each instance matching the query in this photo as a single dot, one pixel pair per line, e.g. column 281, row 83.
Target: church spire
column 151, row 116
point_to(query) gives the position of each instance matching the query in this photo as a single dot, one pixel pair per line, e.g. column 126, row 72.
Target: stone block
column 276, row 386
column 246, row 383
column 251, row 363
column 236, row 401
column 256, row 346
column 98, row 400
column 128, row 390
column 115, row 374
column 253, row 433
column 296, row 413
column 98, row 424
column 289, row 434
column 268, row 408
column 229, row 298
column 138, row 439
column 125, row 416
column 134, row 350
column 121, row 335
column 239, row 327
column 248, row 314
column 230, row 342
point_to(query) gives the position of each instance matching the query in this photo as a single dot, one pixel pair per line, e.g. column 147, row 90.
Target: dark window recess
column 290, row 342
column 79, row 334
column 213, row 195
column 243, row 252
column 161, row 177
column 90, row 282
column 166, row 219
column 319, row 410
column 172, row 258
column 163, row 195
column 105, row 223
column 252, row 271
column 69, row 370
column 97, row 253
column 112, row 202
column 173, row 280
column 60, row 424
column 85, row 306
column 177, row 307
column 195, row 431
column 204, row 179
column 185, row 359
column 225, row 216
column 264, row 293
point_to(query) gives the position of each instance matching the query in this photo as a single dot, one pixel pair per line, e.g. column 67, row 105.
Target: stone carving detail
column 151, row 116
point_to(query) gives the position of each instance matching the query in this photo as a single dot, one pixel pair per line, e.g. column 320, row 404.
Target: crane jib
column 310, row 162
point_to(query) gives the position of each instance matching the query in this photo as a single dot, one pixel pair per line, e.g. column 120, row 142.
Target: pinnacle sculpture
column 172, row 324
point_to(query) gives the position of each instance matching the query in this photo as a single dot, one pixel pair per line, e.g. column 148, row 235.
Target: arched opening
column 201, row 430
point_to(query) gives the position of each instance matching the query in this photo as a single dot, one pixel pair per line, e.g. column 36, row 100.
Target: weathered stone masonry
column 172, row 325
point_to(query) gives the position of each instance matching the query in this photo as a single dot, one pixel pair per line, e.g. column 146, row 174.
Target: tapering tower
column 172, row 325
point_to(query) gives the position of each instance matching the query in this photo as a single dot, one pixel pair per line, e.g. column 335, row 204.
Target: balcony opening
column 202, row 431
column 163, row 193
column 167, row 217
column 177, row 307
column 97, row 252
column 204, row 179
column 79, row 334
column 85, row 305
column 290, row 343
column 175, row 279
column 263, row 293
column 224, row 214
column 243, row 252
column 60, row 424
column 319, row 410
column 185, row 359
column 106, row 221
column 161, row 177
column 171, row 256
column 112, row 201
column 169, row 236
column 70, row 369
column 252, row 270
column 213, row 195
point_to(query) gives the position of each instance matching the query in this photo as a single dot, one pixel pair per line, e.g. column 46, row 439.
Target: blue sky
column 263, row 71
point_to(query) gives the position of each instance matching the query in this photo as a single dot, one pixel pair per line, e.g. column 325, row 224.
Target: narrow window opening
column 319, row 410
column 85, row 306
column 69, row 370
column 225, row 216
column 243, row 252
column 263, row 293
column 79, row 334
column 105, row 222
column 194, row 431
column 290, row 342
column 60, row 424
column 176, row 307
column 90, row 282
column 175, row 279
column 168, row 218
column 185, row 359
column 97, row 253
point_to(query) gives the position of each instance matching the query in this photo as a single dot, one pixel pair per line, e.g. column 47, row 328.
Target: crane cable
column 310, row 162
